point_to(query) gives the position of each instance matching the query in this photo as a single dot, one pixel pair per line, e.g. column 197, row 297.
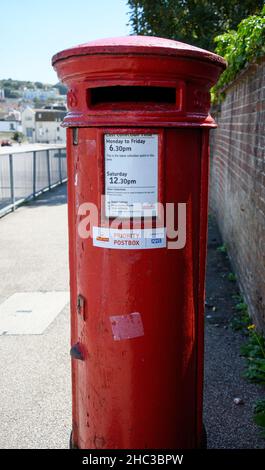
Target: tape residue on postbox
column 127, row 326
column 129, row 239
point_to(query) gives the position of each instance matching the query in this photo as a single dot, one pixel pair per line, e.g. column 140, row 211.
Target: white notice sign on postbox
column 131, row 175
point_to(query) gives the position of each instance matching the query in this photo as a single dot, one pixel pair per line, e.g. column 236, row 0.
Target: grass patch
column 254, row 352
column 259, row 415
column 231, row 277
column 240, row 321
column 222, row 248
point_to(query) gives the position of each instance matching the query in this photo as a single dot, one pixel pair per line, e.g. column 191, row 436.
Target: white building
column 40, row 94
column 43, row 125
column 11, row 122
column 10, row 126
column 28, row 124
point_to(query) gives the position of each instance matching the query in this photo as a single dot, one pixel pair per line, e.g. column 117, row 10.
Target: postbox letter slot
column 131, row 94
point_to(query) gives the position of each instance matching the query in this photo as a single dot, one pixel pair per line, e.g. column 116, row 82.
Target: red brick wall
column 237, row 185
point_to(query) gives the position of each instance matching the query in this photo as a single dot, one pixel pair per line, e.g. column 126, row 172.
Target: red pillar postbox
column 137, row 133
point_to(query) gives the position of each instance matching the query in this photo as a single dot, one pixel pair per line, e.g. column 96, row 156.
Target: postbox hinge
column 81, row 306
column 76, row 353
column 75, row 135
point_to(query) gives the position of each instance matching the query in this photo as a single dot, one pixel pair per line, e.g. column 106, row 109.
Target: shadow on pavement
column 54, row 197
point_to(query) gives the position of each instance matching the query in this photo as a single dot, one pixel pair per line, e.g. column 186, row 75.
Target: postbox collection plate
column 131, row 174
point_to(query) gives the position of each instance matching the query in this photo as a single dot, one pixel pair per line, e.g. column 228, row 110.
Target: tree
column 62, row 88
column 196, row 22
column 240, row 47
column 18, row 137
column 39, row 85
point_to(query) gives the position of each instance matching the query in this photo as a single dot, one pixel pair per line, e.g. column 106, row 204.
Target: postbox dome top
column 140, row 45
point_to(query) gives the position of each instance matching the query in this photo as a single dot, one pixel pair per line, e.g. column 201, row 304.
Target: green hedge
column 240, row 47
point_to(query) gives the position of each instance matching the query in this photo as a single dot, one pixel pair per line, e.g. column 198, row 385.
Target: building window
column 29, row 132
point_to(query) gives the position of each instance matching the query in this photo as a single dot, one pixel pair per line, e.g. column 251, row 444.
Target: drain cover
column 30, row 313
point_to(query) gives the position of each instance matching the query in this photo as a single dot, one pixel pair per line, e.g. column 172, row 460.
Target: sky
column 32, row 31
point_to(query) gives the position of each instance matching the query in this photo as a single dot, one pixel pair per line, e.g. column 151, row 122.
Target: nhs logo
column 156, row 241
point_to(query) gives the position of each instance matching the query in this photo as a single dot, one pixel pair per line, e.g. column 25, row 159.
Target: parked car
column 6, row 143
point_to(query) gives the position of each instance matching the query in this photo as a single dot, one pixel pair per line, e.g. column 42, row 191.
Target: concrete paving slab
column 30, row 313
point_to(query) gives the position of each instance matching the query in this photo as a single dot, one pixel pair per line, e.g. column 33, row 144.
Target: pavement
column 229, row 426
column 35, row 390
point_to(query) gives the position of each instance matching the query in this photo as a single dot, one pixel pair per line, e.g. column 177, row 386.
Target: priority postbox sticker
column 131, row 174
column 129, row 239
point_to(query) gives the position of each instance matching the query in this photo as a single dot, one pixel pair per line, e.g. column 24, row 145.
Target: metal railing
column 28, row 171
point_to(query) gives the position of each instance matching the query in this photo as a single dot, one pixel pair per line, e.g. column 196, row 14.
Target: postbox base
column 204, row 438
column 203, row 442
column 71, row 444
